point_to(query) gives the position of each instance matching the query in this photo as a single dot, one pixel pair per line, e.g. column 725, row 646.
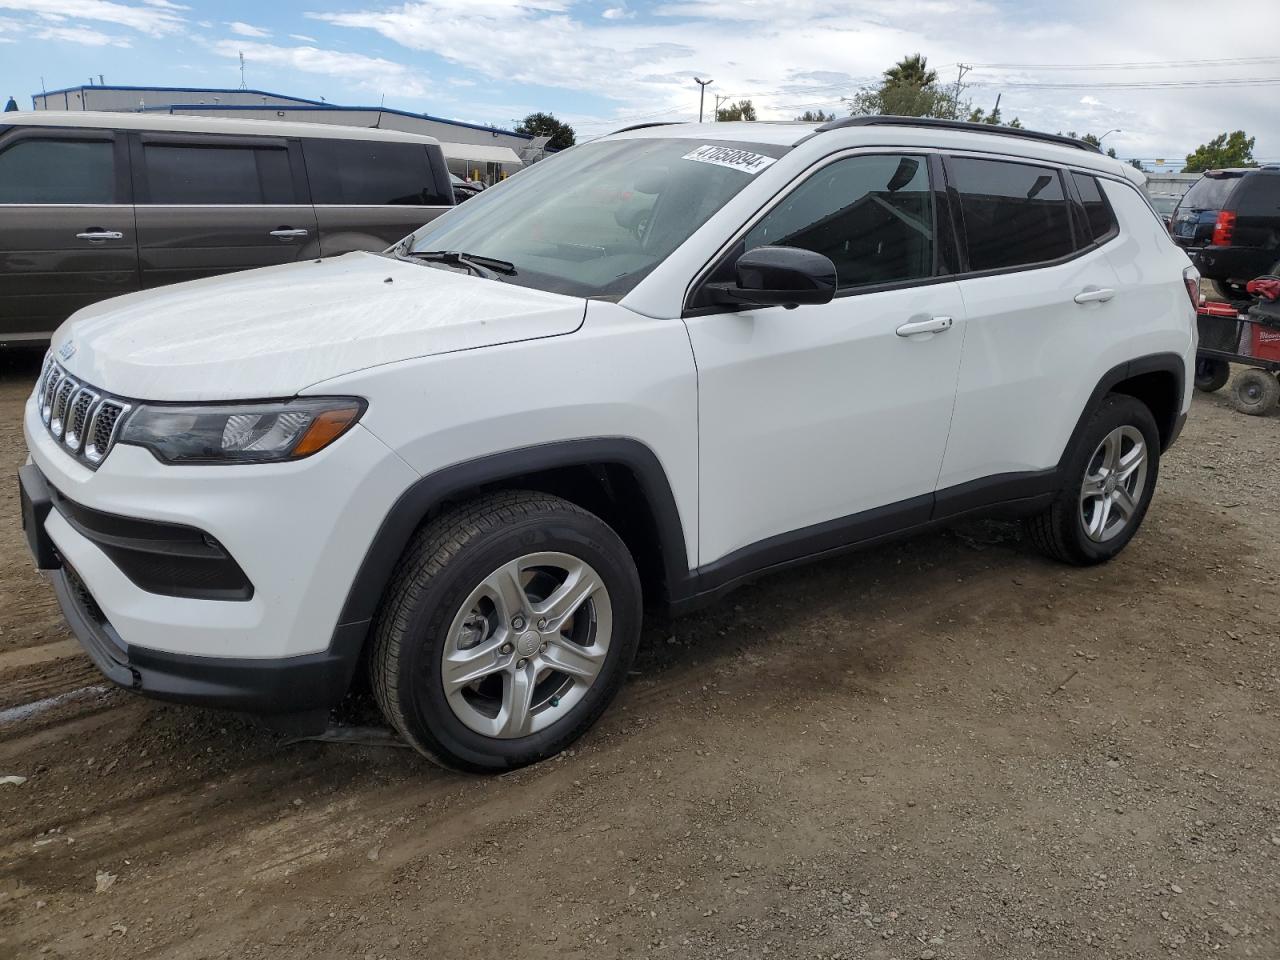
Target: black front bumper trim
column 283, row 685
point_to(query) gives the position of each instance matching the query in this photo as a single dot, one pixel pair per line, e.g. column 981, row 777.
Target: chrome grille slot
column 102, row 430
column 61, row 399
column 78, row 412
column 85, row 420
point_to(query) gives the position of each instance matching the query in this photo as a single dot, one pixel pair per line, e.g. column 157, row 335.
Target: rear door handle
column 931, row 325
column 97, row 235
column 1094, row 295
column 288, row 233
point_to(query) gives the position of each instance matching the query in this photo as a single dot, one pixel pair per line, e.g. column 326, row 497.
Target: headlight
column 241, row 432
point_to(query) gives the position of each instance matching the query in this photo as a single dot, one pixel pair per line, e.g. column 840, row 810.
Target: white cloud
column 793, row 55
column 618, row 13
column 85, row 36
column 150, row 18
column 242, row 29
column 303, row 37
column 368, row 73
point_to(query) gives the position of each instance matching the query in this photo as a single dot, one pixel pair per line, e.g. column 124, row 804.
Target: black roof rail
column 645, row 126
column 936, row 123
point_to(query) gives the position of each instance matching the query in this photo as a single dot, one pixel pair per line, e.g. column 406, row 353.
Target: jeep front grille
column 82, row 419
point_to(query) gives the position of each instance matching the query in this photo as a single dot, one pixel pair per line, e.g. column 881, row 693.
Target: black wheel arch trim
column 1168, row 422
column 416, row 503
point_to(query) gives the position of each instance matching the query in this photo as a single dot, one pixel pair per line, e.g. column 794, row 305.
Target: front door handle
column 1095, row 295
column 930, row 325
column 97, row 235
column 288, row 233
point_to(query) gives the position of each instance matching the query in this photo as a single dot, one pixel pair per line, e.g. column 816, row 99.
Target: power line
column 1131, row 84
column 1131, row 64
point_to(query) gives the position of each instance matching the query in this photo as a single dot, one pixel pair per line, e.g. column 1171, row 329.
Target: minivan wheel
column 1110, row 475
column 1255, row 392
column 1212, row 375
column 508, row 628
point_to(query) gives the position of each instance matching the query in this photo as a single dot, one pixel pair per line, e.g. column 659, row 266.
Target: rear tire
column 1255, row 392
column 508, row 628
column 1212, row 375
column 1109, row 475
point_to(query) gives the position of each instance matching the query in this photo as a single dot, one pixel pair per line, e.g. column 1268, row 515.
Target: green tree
column 1137, row 165
column 545, row 125
column 912, row 71
column 815, row 116
column 1225, row 150
column 911, row 89
column 742, row 110
column 1088, row 138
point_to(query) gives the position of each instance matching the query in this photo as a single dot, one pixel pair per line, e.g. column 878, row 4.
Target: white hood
column 275, row 331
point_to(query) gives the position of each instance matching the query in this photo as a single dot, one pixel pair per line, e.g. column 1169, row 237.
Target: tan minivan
column 94, row 205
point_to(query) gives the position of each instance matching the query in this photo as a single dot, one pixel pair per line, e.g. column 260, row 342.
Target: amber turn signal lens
column 326, row 428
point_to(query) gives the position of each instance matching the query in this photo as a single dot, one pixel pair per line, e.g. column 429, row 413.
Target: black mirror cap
column 779, row 277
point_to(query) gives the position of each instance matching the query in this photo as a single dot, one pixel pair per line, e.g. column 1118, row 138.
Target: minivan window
column 1098, row 214
column 871, row 215
column 371, row 173
column 58, row 171
column 594, row 220
column 1209, row 193
column 189, row 174
column 1014, row 214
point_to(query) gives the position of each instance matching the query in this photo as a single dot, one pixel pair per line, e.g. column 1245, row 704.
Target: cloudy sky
column 1163, row 71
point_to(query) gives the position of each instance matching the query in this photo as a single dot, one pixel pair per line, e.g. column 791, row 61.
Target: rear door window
column 371, row 173
column 57, row 171
column 182, row 174
column 1099, row 217
column 1258, row 196
column 1014, row 214
column 872, row 215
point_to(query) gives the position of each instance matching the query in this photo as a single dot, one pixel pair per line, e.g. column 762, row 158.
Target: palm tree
column 911, row 71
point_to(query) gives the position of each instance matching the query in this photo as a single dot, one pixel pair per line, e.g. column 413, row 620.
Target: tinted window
column 1014, row 213
column 1258, row 196
column 57, row 171
column 1208, row 193
column 181, row 174
column 872, row 215
column 371, row 173
column 1101, row 221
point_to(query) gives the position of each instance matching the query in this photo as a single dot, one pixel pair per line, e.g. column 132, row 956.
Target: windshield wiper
column 481, row 266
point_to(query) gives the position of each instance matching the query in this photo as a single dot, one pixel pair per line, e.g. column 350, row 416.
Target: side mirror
column 778, row 277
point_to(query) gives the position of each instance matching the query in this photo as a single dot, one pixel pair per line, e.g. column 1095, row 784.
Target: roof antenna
column 243, row 85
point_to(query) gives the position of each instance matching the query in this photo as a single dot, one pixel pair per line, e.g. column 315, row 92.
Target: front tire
column 1110, row 476
column 507, row 630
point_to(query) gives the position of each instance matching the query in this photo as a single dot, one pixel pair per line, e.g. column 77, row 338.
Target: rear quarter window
column 1100, row 220
column 1258, row 195
column 371, row 173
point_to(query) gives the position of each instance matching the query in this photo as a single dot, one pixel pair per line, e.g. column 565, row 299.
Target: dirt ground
column 948, row 748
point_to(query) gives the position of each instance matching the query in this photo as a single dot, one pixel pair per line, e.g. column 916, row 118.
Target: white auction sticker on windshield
column 731, row 157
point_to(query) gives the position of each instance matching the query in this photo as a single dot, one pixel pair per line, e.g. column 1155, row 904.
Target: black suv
column 1229, row 224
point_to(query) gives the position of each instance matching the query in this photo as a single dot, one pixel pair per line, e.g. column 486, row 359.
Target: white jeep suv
column 644, row 370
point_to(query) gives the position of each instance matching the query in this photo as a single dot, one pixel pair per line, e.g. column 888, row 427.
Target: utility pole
column 719, row 100
column 702, row 94
column 243, row 85
column 963, row 68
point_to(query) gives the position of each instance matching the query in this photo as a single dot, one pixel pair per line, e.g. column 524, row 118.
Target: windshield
column 1209, row 193
column 594, row 220
column 1165, row 205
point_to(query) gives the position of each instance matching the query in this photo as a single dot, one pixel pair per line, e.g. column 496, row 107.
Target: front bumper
column 299, row 530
